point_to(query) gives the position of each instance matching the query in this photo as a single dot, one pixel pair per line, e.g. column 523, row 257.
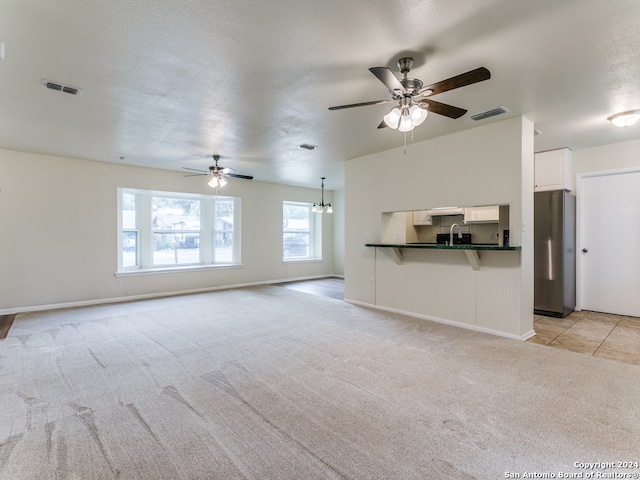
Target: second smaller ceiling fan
column 219, row 173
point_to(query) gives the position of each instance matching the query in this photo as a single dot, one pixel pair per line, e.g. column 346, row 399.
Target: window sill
column 302, row 260
column 164, row 270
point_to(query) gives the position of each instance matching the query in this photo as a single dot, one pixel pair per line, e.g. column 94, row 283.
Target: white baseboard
column 301, row 279
column 528, row 335
column 131, row 298
column 452, row 323
column 147, row 296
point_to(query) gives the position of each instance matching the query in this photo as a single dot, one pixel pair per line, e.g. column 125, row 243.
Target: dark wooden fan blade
column 441, row 108
column 386, row 76
column 375, row 102
column 462, row 80
column 237, row 175
column 195, row 174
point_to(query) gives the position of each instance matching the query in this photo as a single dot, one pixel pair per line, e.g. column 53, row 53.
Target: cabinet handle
column 584, row 250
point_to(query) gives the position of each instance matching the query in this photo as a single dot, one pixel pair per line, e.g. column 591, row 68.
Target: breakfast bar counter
column 442, row 246
column 470, row 250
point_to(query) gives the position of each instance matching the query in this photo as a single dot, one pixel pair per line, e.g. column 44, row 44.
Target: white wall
column 491, row 164
column 338, row 232
column 59, row 232
column 606, row 157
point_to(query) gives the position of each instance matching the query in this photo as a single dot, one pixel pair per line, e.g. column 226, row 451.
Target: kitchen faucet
column 451, row 233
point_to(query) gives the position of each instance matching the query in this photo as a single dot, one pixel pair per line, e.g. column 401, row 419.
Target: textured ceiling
column 166, row 84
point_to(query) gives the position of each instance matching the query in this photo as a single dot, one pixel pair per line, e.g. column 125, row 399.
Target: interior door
column 608, row 250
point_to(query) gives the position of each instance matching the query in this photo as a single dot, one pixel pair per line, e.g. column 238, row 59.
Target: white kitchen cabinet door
column 553, row 170
column 422, row 217
column 488, row 214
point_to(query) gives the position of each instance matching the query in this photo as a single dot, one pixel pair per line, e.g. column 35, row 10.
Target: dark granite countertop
column 440, row 246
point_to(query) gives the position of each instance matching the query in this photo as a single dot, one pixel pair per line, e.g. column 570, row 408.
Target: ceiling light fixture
column 406, row 117
column 320, row 207
column 625, row 119
column 217, row 181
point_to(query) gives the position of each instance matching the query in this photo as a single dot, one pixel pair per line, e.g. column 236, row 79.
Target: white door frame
column 579, row 212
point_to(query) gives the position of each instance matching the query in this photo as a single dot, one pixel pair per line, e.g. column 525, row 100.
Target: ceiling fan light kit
column 217, row 181
column 219, row 175
column 404, row 118
column 625, row 119
column 414, row 102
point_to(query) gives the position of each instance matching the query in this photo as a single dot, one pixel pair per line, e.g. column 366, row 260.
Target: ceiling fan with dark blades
column 219, row 173
column 414, row 99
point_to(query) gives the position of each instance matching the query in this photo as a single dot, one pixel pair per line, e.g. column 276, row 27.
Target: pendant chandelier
column 322, row 207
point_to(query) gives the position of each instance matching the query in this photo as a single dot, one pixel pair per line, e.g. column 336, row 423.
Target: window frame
column 122, row 230
column 145, row 233
column 314, row 232
column 153, row 263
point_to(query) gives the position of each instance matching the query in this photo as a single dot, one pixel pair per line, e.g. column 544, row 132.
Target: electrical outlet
column 118, row 282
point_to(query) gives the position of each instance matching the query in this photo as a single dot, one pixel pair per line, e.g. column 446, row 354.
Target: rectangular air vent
column 71, row 90
column 59, row 87
column 307, row 146
column 489, row 113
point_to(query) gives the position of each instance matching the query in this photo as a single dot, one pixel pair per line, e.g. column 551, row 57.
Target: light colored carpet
column 270, row 383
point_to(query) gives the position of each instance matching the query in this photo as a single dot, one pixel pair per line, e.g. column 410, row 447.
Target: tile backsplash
column 480, row 232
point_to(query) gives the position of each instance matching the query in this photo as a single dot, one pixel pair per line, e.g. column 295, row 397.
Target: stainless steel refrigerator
column 554, row 253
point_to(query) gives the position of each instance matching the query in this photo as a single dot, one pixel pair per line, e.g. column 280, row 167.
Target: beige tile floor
column 615, row 337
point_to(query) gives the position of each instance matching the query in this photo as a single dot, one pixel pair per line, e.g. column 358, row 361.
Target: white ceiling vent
column 489, row 113
column 59, row 87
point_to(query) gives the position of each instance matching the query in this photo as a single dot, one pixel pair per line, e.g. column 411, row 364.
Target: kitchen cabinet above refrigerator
column 553, row 170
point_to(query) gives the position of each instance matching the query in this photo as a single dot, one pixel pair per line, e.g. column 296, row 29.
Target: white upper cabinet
column 553, row 170
column 422, row 217
column 489, row 214
column 441, row 211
